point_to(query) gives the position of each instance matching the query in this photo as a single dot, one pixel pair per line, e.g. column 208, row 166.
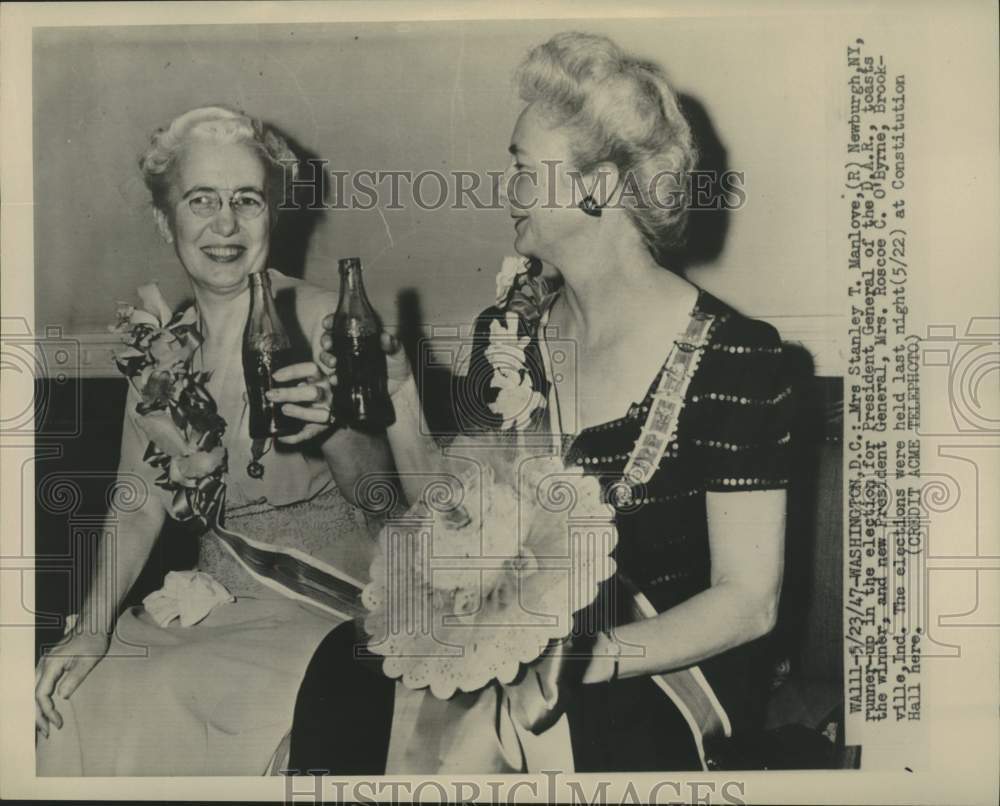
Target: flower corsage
column 522, row 295
column 175, row 410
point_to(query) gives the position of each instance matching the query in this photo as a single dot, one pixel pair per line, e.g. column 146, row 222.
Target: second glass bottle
column 361, row 396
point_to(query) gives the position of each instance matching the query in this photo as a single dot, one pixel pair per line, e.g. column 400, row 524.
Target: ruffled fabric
column 457, row 602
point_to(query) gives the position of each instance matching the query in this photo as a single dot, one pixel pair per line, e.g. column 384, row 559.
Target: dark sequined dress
column 732, row 435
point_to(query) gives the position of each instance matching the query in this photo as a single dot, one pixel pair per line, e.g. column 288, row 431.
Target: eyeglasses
column 206, row 202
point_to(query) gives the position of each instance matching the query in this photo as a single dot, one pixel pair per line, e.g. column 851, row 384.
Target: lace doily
column 464, row 591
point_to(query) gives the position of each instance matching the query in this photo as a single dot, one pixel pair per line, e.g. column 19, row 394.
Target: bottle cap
column 348, row 263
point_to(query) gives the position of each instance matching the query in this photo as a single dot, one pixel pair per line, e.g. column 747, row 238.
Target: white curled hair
column 220, row 125
column 619, row 109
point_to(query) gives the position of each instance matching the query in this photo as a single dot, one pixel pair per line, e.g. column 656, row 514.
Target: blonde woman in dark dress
column 676, row 402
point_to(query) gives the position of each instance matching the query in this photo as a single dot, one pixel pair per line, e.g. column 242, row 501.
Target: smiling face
column 221, row 249
column 542, row 194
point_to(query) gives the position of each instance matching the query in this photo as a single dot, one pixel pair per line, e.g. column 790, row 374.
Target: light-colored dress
column 217, row 697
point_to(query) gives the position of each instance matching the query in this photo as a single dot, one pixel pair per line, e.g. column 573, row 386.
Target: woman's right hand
column 62, row 670
column 397, row 364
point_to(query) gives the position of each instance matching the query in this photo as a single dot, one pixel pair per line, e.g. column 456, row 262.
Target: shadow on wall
column 707, row 226
column 294, row 230
column 810, row 611
column 436, row 382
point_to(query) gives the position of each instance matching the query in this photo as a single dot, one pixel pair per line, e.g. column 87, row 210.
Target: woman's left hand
column 539, row 696
column 309, row 400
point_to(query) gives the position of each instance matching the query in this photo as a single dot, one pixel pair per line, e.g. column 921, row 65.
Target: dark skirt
column 343, row 718
column 628, row 726
column 343, row 714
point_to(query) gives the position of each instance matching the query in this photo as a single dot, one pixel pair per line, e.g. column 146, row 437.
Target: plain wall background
column 416, row 96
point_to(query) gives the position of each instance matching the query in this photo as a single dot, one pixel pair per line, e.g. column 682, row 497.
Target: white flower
column 505, row 357
column 188, row 470
column 128, row 316
column 506, row 348
column 524, row 563
column 517, row 399
column 510, row 267
column 153, row 302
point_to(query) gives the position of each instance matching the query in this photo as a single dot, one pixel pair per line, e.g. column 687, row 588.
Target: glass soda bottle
column 266, row 349
column 361, row 396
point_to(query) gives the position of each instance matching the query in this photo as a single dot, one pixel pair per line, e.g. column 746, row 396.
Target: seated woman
column 202, row 681
column 676, row 403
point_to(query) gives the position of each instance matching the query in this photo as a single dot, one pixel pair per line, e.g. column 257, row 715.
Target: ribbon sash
column 295, row 574
column 690, row 692
column 660, row 427
column 687, row 688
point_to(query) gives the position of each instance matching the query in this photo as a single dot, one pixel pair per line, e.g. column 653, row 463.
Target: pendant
column 621, row 496
column 255, row 469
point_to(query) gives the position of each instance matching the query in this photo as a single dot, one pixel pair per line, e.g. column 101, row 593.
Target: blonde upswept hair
column 619, row 109
column 221, row 125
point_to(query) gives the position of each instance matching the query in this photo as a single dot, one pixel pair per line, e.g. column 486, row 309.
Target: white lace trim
column 454, row 607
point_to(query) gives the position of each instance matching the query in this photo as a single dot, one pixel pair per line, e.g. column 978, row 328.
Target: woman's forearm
column 417, row 456
column 406, row 448
column 718, row 619
column 124, row 548
column 353, row 456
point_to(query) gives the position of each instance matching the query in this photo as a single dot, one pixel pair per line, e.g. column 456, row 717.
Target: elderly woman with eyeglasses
column 202, row 680
column 675, row 402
